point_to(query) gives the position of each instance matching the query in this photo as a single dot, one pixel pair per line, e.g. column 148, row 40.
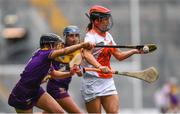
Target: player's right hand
column 88, row 45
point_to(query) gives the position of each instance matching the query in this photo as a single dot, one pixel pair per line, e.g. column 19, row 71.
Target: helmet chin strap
column 51, row 46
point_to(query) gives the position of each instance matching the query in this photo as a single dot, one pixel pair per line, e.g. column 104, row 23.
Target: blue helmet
column 49, row 38
column 71, row 30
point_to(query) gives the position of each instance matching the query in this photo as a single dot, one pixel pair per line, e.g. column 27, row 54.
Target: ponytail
column 89, row 26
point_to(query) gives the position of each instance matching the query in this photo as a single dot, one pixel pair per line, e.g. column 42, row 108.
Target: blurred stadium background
column 135, row 22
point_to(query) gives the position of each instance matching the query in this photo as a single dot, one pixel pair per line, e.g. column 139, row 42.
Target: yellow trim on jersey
column 45, row 49
column 67, row 58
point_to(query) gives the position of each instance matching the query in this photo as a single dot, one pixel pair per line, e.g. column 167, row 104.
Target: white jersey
column 95, row 83
column 102, row 55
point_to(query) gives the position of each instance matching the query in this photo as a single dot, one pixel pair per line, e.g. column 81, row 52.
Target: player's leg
column 49, row 104
column 94, row 106
column 68, row 104
column 110, row 103
column 61, row 95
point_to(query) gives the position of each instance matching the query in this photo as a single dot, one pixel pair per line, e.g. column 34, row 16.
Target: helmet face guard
column 70, row 30
column 50, row 39
column 100, row 13
column 102, row 16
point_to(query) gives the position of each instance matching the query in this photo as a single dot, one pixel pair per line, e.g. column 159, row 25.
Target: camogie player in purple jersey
column 28, row 92
column 58, row 88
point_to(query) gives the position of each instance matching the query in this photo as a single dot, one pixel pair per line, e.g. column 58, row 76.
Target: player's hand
column 72, row 71
column 79, row 71
column 105, row 69
column 139, row 51
column 88, row 45
column 76, row 69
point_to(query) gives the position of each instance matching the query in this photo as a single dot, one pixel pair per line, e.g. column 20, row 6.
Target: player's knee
column 113, row 109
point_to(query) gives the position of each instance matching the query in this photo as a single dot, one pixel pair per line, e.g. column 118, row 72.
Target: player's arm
column 91, row 60
column 121, row 55
column 55, row 74
column 71, row 49
column 59, row 75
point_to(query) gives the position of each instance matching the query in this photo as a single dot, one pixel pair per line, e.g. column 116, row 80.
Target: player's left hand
column 139, row 51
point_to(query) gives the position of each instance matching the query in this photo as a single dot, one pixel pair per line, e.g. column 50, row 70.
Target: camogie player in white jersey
column 98, row 88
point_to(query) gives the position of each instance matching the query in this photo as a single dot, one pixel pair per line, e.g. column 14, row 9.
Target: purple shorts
column 174, row 100
column 57, row 91
column 23, row 98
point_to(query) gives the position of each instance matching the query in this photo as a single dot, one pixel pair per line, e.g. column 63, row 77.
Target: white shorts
column 93, row 86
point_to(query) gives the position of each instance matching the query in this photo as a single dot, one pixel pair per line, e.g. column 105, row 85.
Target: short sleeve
column 89, row 38
column 47, row 54
column 112, row 40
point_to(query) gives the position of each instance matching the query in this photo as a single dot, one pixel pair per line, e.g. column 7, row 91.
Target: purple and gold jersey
column 67, row 58
column 58, row 88
column 36, row 69
column 27, row 91
column 64, row 62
